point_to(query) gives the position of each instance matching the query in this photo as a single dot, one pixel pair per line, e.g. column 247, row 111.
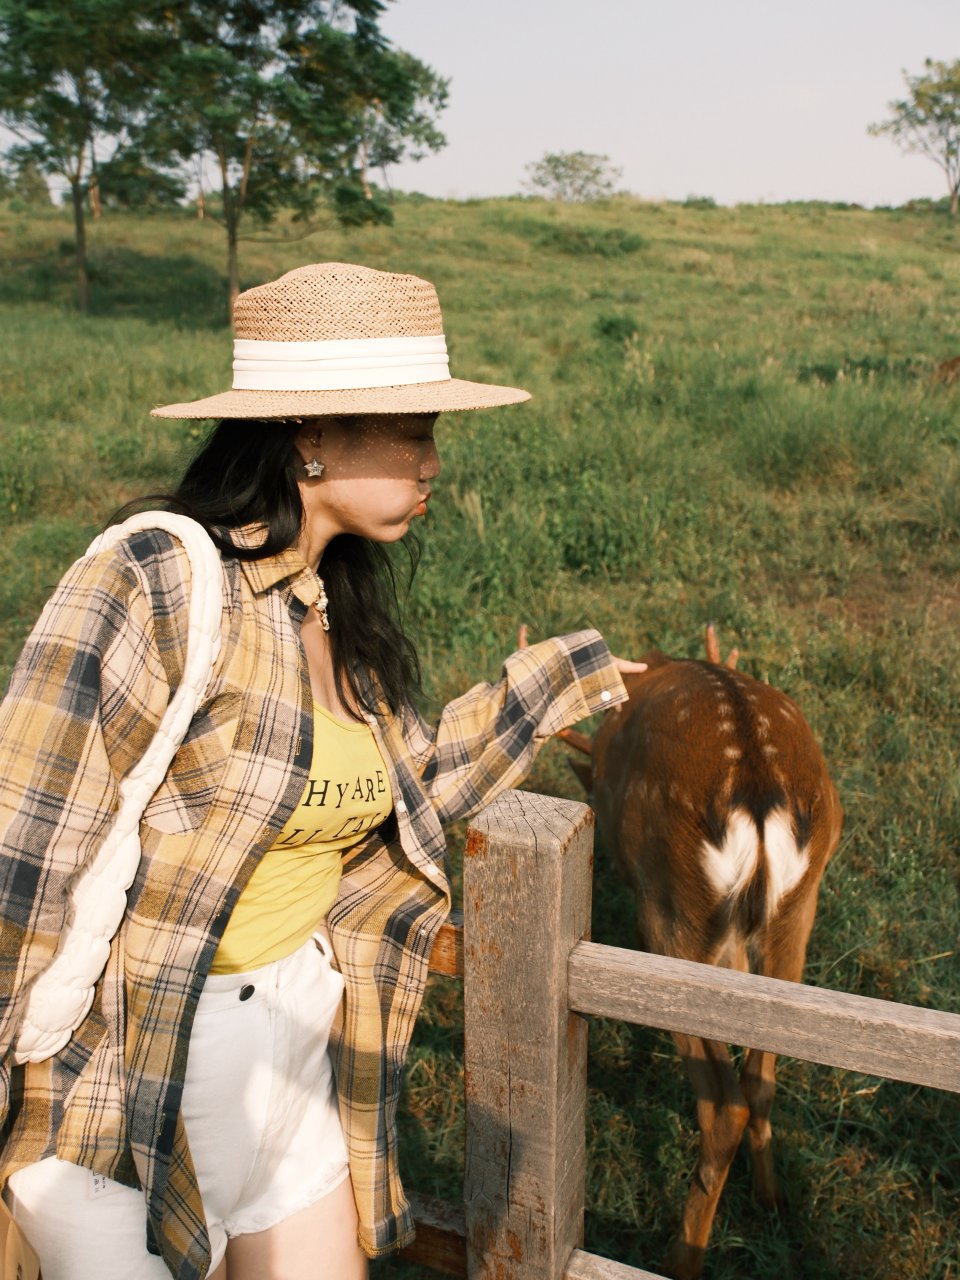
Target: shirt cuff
column 592, row 682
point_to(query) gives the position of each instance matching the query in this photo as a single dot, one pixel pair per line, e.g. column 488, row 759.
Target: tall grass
column 733, row 419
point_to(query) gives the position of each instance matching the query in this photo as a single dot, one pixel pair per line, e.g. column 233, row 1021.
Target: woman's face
column 377, row 472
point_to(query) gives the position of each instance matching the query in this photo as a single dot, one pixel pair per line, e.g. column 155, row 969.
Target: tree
column 927, row 121
column 287, row 98
column 131, row 181
column 572, row 176
column 72, row 82
column 387, row 140
column 29, row 186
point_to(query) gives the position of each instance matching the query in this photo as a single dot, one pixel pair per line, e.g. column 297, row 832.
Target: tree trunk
column 93, row 191
column 233, row 265
column 83, row 281
column 363, row 165
column 955, row 200
column 232, row 211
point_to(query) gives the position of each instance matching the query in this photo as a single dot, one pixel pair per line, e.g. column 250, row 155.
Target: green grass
column 734, row 419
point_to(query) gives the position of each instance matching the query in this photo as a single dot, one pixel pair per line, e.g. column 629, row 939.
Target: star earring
column 314, row 469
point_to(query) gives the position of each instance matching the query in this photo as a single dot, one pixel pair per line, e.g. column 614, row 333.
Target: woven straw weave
column 336, row 300
column 330, row 300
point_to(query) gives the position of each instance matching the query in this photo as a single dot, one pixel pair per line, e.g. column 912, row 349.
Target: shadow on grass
column 174, row 289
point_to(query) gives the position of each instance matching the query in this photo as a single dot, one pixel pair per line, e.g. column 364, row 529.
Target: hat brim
column 420, row 397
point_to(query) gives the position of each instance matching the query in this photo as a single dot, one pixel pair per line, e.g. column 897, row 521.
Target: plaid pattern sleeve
column 83, row 703
column 486, row 740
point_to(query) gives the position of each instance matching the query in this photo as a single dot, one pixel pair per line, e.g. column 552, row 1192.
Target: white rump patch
column 785, row 862
column 730, row 868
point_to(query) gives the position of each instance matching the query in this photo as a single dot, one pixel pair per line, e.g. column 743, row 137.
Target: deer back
column 715, row 801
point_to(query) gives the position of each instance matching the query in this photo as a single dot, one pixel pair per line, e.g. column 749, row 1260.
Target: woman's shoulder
column 130, row 579
column 164, row 557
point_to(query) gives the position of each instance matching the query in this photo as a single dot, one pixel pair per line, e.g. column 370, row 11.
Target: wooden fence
column 529, row 976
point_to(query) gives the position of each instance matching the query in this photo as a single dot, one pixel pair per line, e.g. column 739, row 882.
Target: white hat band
column 338, row 364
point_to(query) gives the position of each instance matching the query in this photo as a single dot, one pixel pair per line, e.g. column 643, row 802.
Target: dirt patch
column 875, row 598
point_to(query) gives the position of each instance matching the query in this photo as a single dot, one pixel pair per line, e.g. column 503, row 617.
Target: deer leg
column 758, row 1081
column 722, row 1113
column 782, row 956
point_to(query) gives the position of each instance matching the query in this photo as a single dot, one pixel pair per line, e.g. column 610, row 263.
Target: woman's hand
column 623, row 665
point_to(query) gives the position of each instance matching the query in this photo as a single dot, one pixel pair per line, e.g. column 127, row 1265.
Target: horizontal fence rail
column 589, row 1266
column 857, row 1033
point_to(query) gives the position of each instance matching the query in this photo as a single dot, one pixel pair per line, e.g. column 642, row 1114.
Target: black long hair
column 246, row 472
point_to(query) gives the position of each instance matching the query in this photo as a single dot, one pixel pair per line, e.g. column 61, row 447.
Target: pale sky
column 742, row 100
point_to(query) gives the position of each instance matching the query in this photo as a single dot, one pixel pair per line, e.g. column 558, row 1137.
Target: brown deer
column 715, row 801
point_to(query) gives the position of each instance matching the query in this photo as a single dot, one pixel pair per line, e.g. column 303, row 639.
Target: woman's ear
column 308, row 439
column 307, row 443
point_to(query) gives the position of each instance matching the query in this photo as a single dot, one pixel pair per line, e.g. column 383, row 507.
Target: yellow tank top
column 295, row 884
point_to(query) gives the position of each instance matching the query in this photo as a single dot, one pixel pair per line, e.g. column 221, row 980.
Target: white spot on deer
column 730, row 868
column 732, row 753
column 770, row 749
column 786, row 863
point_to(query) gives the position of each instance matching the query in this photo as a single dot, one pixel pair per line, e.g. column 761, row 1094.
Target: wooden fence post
column 526, row 903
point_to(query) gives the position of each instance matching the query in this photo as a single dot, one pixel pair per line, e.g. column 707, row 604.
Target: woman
column 190, row 1126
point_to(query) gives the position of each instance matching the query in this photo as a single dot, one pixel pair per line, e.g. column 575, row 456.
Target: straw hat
column 337, row 338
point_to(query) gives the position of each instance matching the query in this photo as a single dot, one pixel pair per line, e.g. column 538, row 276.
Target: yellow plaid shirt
column 83, row 703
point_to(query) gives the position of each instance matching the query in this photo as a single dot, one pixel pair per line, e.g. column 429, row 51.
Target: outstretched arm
column 486, row 740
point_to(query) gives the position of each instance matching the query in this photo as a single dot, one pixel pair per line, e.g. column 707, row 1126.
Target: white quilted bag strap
column 61, row 996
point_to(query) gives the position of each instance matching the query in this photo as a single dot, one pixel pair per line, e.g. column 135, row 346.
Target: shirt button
column 247, row 990
column 400, row 807
column 606, row 696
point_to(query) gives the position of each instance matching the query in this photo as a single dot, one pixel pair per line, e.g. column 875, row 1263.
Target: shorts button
column 247, row 990
column 605, row 695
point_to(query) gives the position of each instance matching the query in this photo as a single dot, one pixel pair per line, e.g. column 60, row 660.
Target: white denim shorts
column 261, row 1116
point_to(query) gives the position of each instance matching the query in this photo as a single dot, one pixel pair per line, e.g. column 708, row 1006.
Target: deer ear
column 584, row 772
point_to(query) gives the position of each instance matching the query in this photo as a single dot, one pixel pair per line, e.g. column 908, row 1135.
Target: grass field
column 734, row 418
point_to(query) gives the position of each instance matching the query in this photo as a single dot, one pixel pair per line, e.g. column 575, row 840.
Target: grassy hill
column 735, row 418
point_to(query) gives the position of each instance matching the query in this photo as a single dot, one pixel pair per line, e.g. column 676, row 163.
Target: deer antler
column 713, row 649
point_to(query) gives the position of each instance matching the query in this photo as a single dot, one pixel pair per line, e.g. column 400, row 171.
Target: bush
column 603, row 242
column 860, row 367
column 617, row 326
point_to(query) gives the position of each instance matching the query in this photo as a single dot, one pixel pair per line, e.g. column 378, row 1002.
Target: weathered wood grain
column 447, row 954
column 441, row 1236
column 897, row 1041
column 526, row 903
column 588, row 1266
